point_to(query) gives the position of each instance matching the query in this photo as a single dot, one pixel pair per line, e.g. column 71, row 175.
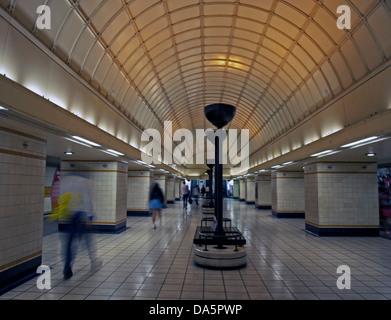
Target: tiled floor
column 284, row 262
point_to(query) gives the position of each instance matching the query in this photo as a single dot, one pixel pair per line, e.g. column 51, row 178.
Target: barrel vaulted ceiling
column 277, row 61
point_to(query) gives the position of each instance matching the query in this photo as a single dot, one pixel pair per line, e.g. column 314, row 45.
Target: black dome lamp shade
column 220, row 114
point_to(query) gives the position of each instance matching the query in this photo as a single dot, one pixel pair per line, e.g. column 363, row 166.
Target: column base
column 221, row 259
column 138, row 212
column 295, row 215
column 250, row 202
column 17, row 275
column 333, row 231
column 170, row 201
column 263, row 207
column 99, row 227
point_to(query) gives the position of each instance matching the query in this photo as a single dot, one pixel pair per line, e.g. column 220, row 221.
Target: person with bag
column 156, row 200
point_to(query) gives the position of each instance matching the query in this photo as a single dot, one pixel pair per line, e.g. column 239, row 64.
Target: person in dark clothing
column 156, row 200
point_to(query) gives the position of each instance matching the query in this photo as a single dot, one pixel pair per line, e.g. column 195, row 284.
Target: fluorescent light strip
column 322, row 153
column 3, row 108
column 78, row 142
column 115, row 152
column 86, row 141
column 359, row 142
column 329, row 154
column 110, row 153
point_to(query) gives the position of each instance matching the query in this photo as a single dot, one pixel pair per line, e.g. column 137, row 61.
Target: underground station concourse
column 296, row 97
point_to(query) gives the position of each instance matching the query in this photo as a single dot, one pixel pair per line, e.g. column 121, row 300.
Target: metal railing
column 226, row 221
column 204, row 236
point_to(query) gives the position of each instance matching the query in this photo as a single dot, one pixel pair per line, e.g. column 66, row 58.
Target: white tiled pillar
column 139, row 187
column 170, row 190
column 250, row 187
column 177, row 186
column 22, row 176
column 242, row 191
column 288, row 195
column 342, row 199
column 109, row 181
column 161, row 179
column 264, row 192
column 236, row 189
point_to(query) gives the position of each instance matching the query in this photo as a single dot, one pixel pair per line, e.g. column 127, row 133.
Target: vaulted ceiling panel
column 278, row 61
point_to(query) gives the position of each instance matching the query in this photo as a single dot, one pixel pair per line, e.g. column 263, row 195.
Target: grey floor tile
column 283, row 263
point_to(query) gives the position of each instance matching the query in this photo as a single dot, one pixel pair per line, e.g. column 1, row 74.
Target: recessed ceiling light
column 371, row 154
column 69, row 153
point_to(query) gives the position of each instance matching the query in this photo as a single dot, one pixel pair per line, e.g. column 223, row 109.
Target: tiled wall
column 341, row 195
column 178, row 184
column 170, row 190
column 242, row 191
column 161, row 179
column 250, row 190
column 264, row 190
column 288, row 194
column 22, row 176
column 139, row 187
column 109, row 181
column 236, row 189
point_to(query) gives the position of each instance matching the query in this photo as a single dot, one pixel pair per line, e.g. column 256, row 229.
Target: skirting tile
column 298, row 215
column 339, row 232
column 110, row 228
column 134, row 213
column 18, row 274
column 264, row 207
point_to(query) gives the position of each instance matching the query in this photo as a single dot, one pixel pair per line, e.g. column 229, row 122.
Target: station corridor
column 279, row 109
column 283, row 263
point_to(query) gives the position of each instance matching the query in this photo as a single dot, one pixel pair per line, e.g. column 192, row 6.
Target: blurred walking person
column 156, row 200
column 76, row 204
column 185, row 194
column 195, row 194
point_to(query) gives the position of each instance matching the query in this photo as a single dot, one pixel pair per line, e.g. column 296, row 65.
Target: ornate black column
column 211, row 204
column 219, row 115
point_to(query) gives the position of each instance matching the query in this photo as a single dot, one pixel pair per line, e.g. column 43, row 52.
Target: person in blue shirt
column 156, row 200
